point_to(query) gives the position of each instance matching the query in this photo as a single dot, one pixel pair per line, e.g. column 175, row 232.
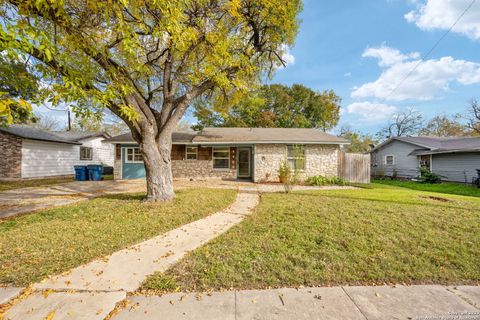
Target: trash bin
column 80, row 173
column 94, row 172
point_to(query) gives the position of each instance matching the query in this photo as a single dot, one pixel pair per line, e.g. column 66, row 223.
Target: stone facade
column 200, row 169
column 10, row 156
column 319, row 160
column 266, row 161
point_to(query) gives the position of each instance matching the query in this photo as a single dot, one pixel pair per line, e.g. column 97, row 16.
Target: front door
column 244, row 170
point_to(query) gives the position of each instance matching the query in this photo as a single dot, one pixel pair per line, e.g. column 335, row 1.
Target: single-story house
column 237, row 153
column 455, row 159
column 27, row 152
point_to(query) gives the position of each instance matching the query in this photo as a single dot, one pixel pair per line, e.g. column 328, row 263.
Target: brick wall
column 10, row 156
column 200, row 169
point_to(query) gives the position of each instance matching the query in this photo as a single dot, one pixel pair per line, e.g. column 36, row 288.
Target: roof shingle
column 247, row 135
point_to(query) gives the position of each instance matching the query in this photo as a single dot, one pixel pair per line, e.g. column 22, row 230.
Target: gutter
column 205, row 143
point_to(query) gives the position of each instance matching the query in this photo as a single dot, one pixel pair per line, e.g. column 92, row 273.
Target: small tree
column 403, row 124
column 147, row 61
column 473, row 117
column 288, row 177
column 358, row 142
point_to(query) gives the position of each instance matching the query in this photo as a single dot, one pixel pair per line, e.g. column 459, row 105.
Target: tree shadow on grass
column 124, row 196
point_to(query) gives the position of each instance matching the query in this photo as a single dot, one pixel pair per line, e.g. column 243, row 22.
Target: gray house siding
column 456, row 167
column 405, row 166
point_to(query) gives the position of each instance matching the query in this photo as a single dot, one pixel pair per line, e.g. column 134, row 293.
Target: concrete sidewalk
column 346, row 303
column 91, row 291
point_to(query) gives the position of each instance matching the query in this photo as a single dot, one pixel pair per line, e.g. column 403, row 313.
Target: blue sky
column 363, row 48
column 340, row 44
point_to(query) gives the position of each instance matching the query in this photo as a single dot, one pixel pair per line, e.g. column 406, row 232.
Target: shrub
column 287, row 176
column 284, row 172
column 324, row 181
column 426, row 176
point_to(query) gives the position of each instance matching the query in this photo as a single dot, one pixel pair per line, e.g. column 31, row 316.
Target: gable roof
column 68, row 137
column 80, row 135
column 432, row 145
column 212, row 136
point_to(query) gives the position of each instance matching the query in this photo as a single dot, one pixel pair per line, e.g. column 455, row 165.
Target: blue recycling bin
column 80, row 173
column 95, row 172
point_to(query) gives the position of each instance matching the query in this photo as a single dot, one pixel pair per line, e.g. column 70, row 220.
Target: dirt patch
column 436, row 198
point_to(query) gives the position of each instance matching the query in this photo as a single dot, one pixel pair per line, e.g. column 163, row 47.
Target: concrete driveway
column 18, row 201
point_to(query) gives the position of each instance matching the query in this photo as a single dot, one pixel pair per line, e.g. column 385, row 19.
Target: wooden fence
column 354, row 167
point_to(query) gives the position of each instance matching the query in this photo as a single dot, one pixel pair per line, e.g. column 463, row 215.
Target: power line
column 431, row 49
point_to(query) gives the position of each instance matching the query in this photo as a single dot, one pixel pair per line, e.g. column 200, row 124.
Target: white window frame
column 304, row 157
column 90, row 153
column 133, row 154
column 227, row 157
column 190, row 153
column 393, row 160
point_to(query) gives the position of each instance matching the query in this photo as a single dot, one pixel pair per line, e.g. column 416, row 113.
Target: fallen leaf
column 50, row 315
column 46, row 293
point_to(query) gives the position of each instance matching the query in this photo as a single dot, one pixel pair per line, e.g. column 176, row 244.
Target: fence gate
column 354, row 167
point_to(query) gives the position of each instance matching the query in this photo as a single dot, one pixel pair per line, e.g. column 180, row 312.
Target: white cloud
column 442, row 14
column 287, row 56
column 388, row 56
column 426, row 82
column 370, row 111
column 347, row 74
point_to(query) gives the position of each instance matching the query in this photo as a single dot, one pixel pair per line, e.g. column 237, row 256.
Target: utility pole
column 69, row 120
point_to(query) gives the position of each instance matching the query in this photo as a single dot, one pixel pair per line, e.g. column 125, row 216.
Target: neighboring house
column 27, row 152
column 455, row 159
column 243, row 153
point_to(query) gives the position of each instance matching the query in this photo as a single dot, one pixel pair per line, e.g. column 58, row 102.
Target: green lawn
column 55, row 240
column 383, row 234
column 444, row 187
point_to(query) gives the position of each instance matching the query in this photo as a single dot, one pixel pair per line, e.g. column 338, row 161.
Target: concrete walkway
column 92, row 290
column 346, row 303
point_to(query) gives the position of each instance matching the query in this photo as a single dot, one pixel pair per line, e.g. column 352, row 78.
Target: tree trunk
column 158, row 168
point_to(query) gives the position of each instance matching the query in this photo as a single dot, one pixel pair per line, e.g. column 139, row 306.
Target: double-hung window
column 221, row 157
column 296, row 157
column 86, row 153
column 389, row 160
column 133, row 155
column 192, row 153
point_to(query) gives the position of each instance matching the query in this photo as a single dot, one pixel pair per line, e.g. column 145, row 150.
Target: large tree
column 445, row 126
column 148, row 60
column 274, row 105
column 17, row 88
